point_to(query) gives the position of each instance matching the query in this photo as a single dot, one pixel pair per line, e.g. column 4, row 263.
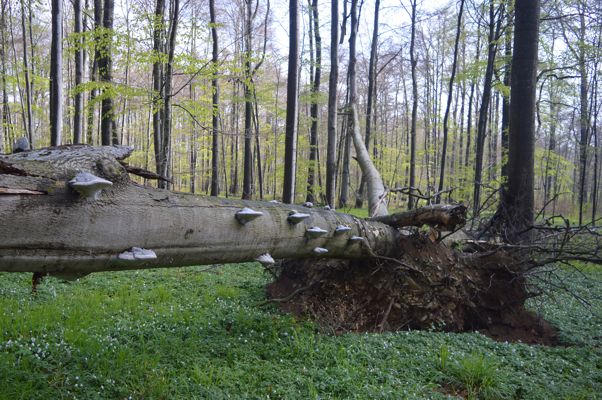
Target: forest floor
column 201, row 333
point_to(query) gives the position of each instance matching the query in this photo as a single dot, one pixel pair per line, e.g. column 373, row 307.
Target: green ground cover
column 194, row 334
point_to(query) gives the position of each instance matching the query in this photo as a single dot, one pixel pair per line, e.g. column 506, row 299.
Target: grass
column 188, row 334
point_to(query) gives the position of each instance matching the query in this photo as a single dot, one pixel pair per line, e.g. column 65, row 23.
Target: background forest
column 199, row 88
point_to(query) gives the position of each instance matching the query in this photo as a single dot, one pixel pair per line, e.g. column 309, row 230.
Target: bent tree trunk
column 350, row 273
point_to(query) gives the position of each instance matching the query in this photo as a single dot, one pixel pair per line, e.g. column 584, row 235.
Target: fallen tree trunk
column 50, row 227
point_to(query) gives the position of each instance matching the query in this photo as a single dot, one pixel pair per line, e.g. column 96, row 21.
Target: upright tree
column 449, row 101
column 214, row 103
column 108, row 130
column 516, row 207
column 413, row 62
column 492, row 38
column 247, row 180
column 78, row 121
column 28, row 91
column 56, row 74
column 292, row 92
column 332, row 104
column 316, row 75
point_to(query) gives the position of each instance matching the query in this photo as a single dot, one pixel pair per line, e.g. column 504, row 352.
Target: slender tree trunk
column 167, row 109
column 94, row 71
column 583, row 116
column 332, row 106
column 506, row 103
column 248, row 144
column 292, row 92
column 413, row 62
column 215, row 104
column 376, row 191
column 484, row 109
column 449, row 100
column 105, row 66
column 56, row 74
column 5, row 111
column 158, row 87
column 359, row 200
column 78, row 121
column 26, row 68
column 315, row 91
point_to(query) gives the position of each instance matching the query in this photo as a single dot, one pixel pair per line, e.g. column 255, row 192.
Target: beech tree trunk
column 54, row 229
column 56, row 75
column 332, row 105
column 292, row 93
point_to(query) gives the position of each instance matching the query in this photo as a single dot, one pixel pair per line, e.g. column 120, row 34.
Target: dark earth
column 427, row 286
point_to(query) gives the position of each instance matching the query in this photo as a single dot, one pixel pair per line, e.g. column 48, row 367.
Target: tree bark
column 494, row 29
column 292, row 91
column 56, row 74
column 359, row 200
column 58, row 230
column 516, row 207
column 448, row 105
column 28, row 91
column 215, row 104
column 413, row 62
column 332, row 105
column 105, row 66
column 248, row 144
column 78, row 121
column 315, row 92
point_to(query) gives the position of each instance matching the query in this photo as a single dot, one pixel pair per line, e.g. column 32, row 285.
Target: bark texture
column 60, row 231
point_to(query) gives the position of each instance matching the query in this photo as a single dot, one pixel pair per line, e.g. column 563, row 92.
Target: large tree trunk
column 516, row 207
column 54, row 229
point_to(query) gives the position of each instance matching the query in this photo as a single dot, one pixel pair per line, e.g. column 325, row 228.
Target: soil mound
column 428, row 286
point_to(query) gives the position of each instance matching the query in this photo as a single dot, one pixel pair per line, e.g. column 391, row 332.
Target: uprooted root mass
column 428, row 286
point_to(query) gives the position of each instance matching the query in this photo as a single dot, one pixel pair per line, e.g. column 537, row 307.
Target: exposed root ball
column 428, row 286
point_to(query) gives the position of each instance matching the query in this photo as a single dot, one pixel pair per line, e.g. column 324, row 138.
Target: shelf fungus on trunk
column 320, row 251
column 247, row 215
column 315, row 232
column 89, row 186
column 295, row 217
column 137, row 253
column 342, row 229
column 266, row 260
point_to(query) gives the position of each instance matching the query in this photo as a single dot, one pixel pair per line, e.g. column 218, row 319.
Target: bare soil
column 427, row 286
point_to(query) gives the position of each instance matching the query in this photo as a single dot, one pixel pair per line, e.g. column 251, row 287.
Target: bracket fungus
column 356, row 239
column 137, row 253
column 295, row 217
column 342, row 229
column 266, row 260
column 315, row 232
column 308, row 204
column 247, row 215
column 21, row 145
column 88, row 185
column 320, row 251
